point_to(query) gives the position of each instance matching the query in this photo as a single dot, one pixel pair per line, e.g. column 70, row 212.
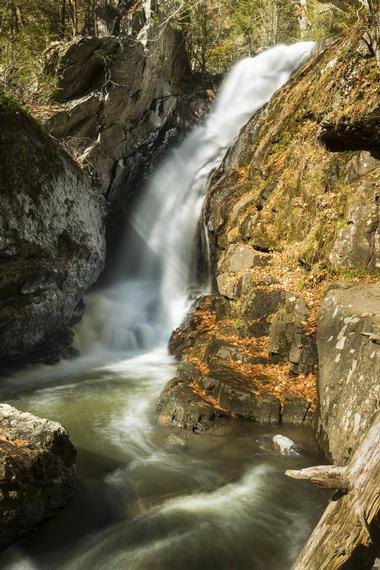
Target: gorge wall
column 123, row 104
column 293, row 217
column 52, row 244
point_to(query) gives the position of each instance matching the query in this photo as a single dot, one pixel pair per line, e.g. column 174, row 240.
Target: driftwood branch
column 348, row 522
column 326, row 476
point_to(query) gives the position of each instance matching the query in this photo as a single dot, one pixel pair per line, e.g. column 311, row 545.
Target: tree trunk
column 62, row 27
column 374, row 22
column 74, row 4
column 348, row 524
column 89, row 18
column 144, row 32
column 303, row 18
column 16, row 25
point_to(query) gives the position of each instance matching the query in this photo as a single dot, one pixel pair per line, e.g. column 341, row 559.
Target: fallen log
column 349, row 526
column 326, row 476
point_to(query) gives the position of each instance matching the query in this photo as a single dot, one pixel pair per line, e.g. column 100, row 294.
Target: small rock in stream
column 284, row 445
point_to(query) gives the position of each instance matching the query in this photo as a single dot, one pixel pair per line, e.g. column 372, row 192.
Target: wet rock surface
column 349, row 367
column 225, row 370
column 52, row 242
column 38, row 475
column 123, row 105
column 293, row 207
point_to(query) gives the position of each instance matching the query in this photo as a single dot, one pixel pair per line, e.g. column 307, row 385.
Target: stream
column 154, row 498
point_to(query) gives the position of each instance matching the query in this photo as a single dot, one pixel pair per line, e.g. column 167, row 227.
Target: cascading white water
column 140, row 311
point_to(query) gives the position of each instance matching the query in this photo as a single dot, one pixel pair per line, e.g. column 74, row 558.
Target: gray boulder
column 52, row 242
column 358, row 242
column 240, row 257
column 349, row 367
column 38, row 475
column 289, row 340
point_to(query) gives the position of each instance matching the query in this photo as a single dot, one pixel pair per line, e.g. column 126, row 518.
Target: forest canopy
column 216, row 32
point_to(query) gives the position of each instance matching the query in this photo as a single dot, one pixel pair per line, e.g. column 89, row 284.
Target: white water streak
column 141, row 314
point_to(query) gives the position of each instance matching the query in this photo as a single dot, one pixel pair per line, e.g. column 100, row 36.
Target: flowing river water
column 154, row 498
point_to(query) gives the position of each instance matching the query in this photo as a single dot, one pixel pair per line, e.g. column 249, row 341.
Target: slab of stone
column 349, row 367
column 38, row 475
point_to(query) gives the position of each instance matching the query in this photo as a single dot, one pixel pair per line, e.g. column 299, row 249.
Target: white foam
column 142, row 309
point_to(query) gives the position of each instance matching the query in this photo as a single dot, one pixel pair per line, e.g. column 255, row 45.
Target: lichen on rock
column 52, row 243
column 38, row 475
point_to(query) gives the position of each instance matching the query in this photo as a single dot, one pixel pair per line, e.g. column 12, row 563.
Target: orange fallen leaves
column 15, row 442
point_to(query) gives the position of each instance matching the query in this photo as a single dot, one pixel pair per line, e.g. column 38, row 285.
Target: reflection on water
column 153, row 498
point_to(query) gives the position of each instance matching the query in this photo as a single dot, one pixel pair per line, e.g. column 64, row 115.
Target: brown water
column 154, row 498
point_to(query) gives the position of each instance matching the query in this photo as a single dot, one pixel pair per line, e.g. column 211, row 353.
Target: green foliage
column 27, row 27
column 217, row 32
column 264, row 23
column 22, row 72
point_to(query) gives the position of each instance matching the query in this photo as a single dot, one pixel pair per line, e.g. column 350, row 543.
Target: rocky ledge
column 38, row 475
column 123, row 105
column 226, row 367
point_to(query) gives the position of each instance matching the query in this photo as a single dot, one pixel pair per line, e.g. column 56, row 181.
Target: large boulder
column 349, row 367
column 225, row 369
column 124, row 103
column 51, row 240
column 38, row 475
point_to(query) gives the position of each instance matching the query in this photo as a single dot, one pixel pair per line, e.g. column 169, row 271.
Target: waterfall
column 141, row 310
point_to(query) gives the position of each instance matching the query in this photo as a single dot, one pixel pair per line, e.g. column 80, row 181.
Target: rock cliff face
column 123, row 104
column 37, row 472
column 294, row 207
column 51, row 241
column 349, row 367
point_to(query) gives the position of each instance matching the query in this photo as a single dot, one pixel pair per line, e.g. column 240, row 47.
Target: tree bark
column 89, row 18
column 303, row 18
column 326, row 476
column 374, row 23
column 62, row 27
column 16, row 25
column 350, row 519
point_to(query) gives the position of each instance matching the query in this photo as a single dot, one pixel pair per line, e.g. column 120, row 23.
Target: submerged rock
column 52, row 242
column 38, row 475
